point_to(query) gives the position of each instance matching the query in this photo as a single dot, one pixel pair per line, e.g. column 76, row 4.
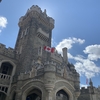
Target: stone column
column 49, row 78
column 77, row 95
column 18, row 95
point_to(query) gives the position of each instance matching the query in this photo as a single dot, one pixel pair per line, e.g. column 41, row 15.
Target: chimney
column 65, row 57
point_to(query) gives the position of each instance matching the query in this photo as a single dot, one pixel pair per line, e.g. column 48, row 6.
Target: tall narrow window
column 14, row 95
column 22, row 34
column 20, row 50
column 40, row 51
column 26, row 31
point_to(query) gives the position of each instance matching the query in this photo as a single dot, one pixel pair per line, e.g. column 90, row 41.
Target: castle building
column 28, row 72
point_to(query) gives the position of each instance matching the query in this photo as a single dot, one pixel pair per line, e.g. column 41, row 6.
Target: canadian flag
column 49, row 49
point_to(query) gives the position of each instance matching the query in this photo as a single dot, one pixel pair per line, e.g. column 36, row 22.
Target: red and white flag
column 49, row 49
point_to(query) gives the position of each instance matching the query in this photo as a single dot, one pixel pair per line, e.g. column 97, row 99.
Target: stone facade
column 28, row 72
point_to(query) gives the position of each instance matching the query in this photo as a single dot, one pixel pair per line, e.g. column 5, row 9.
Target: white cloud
column 93, row 52
column 68, row 43
column 85, row 66
column 3, row 23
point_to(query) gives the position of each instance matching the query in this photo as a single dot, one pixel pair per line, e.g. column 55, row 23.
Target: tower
column 35, row 31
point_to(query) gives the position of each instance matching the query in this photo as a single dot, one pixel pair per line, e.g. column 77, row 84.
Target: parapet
column 50, row 66
column 98, row 89
column 84, row 90
column 56, row 56
column 6, row 51
column 2, row 46
column 37, row 9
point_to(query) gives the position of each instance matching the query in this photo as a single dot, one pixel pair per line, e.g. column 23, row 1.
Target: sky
column 77, row 27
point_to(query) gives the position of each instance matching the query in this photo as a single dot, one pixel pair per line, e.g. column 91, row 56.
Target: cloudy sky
column 77, row 27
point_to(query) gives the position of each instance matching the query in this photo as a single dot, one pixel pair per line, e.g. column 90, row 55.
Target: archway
column 2, row 96
column 34, row 94
column 62, row 95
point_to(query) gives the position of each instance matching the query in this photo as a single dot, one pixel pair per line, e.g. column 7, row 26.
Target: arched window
column 34, row 94
column 2, row 96
column 14, row 95
column 6, row 68
column 62, row 95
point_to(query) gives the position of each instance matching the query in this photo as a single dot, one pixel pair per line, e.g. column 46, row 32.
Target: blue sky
column 77, row 27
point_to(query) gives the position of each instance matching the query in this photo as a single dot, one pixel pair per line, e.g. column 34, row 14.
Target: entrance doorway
column 34, row 94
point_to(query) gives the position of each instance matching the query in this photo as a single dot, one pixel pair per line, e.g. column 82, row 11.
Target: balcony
column 5, row 79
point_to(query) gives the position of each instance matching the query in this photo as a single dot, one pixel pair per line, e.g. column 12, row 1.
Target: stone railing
column 3, row 89
column 5, row 79
column 4, row 76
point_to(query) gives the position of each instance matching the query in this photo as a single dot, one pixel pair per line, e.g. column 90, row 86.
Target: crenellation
column 49, row 66
column 51, row 20
column 37, row 12
column 56, row 56
column 2, row 46
column 10, row 52
column 84, row 90
column 35, row 8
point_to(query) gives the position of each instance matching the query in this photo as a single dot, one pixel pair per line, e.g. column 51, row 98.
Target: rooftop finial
column 45, row 11
column 91, row 83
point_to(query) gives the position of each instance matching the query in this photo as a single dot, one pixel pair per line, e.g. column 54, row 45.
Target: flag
column 49, row 49
column 86, row 81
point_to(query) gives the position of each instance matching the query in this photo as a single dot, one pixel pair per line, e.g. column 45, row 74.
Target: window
column 26, row 31
column 14, row 95
column 22, row 34
column 62, row 95
column 34, row 94
column 20, row 50
column 5, row 69
column 40, row 51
